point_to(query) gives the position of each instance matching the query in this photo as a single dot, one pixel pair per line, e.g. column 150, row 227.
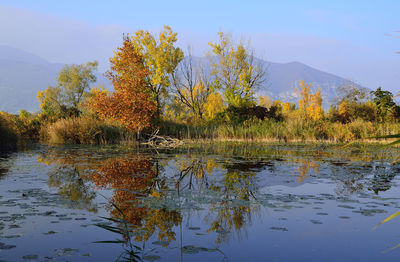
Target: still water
column 222, row 202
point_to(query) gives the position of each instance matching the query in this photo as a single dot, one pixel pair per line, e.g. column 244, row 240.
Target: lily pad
column 151, row 258
column 30, row 257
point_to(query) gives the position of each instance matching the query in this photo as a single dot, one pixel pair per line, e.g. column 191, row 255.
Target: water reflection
column 132, row 179
column 69, row 183
column 224, row 188
column 305, row 169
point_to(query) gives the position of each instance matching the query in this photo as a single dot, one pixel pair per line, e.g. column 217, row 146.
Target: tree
column 314, row 110
column 352, row 92
column 305, row 97
column 192, row 87
column 130, row 103
column 310, row 105
column 235, row 71
column 214, row 105
column 385, row 104
column 353, row 102
column 73, row 83
column 265, row 101
column 161, row 58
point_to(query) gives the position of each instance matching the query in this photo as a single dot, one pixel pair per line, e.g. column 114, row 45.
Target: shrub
column 8, row 136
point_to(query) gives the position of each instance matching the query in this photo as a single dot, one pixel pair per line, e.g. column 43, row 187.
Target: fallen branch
column 157, row 141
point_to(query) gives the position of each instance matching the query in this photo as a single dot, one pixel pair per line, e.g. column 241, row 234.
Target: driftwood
column 157, row 141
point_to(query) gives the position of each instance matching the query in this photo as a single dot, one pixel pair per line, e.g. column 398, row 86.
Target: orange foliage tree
column 130, row 104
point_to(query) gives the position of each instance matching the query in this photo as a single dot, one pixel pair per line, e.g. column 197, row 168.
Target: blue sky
column 348, row 38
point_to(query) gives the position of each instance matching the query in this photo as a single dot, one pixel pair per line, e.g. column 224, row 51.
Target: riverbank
column 89, row 130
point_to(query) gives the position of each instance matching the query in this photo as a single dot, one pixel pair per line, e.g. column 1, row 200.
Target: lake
column 215, row 202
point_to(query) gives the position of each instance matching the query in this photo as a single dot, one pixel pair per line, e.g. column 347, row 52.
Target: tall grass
column 291, row 130
column 83, row 130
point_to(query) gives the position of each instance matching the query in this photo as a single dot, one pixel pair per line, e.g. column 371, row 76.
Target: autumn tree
column 192, row 86
column 265, row 101
column 131, row 102
column 310, row 105
column 288, row 107
column 235, row 71
column 353, row 102
column 214, row 105
column 66, row 98
column 161, row 58
column 315, row 110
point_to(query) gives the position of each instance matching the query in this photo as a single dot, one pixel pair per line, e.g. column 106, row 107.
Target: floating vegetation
column 30, row 257
column 279, row 228
column 190, row 249
column 6, row 247
column 316, row 222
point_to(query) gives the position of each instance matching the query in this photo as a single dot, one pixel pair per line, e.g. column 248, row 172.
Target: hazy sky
column 353, row 39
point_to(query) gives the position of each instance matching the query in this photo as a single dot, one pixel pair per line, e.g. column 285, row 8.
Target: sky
column 357, row 40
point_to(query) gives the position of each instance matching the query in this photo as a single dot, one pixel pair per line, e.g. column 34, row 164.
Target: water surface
column 221, row 202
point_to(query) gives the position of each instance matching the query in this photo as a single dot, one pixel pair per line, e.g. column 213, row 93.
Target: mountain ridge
column 23, row 74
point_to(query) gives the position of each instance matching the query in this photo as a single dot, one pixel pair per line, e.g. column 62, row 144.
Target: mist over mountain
column 23, row 74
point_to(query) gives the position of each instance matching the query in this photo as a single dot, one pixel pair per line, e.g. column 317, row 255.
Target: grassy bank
column 89, row 130
column 270, row 130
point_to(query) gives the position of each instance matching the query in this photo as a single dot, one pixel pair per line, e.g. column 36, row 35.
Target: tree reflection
column 382, row 179
column 306, row 167
column 131, row 180
column 65, row 175
column 71, row 185
column 232, row 183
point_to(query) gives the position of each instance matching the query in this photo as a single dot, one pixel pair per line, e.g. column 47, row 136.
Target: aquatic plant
column 131, row 252
column 397, row 141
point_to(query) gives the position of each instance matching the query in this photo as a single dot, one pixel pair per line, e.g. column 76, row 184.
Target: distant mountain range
column 23, row 74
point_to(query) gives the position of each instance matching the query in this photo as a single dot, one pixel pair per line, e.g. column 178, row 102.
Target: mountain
column 283, row 78
column 23, row 74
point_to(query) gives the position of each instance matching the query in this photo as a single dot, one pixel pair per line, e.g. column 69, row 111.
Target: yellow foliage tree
column 305, row 97
column 161, row 58
column 235, row 71
column 287, row 107
column 265, row 101
column 315, row 110
column 310, row 105
column 214, row 105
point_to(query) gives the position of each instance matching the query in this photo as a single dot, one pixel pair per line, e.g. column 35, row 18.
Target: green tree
column 384, row 104
column 235, row 71
column 73, row 84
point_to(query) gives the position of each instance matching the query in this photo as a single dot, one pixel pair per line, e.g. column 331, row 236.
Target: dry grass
column 83, row 130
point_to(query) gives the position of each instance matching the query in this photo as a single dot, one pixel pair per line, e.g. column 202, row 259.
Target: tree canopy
column 235, row 71
column 73, row 83
column 130, row 103
column 161, row 58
